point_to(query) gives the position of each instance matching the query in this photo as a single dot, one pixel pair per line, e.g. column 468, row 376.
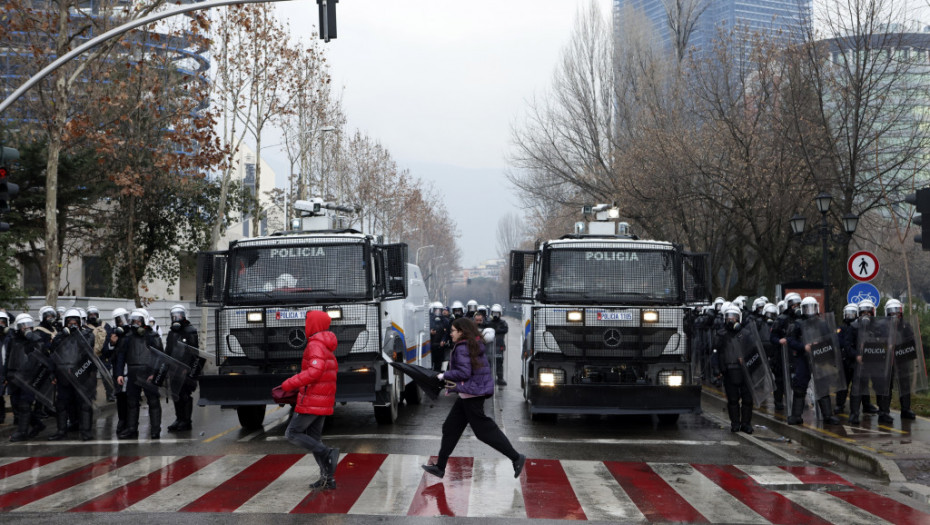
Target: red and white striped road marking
column 394, row 485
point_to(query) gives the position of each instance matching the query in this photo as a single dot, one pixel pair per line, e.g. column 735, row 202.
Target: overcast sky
column 440, row 83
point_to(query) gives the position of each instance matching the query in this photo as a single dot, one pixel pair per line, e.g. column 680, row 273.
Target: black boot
column 797, row 408
column 745, row 418
column 132, row 423
column 733, row 411
column 868, row 407
column 61, row 416
column 122, row 406
column 884, row 410
column 854, row 402
column 22, row 413
column 186, row 422
column 155, row 419
column 87, row 423
column 906, row 412
column 840, row 402
column 826, row 411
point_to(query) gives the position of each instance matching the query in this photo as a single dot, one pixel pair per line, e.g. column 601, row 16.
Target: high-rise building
column 783, row 18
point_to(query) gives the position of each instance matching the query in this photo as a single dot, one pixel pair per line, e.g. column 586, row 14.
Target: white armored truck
column 262, row 289
column 605, row 322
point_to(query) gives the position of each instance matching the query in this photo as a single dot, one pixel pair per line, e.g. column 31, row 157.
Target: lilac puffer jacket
column 478, row 382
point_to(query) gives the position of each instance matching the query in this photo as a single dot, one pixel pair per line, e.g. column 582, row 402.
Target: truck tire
column 251, row 416
column 387, row 415
column 668, row 419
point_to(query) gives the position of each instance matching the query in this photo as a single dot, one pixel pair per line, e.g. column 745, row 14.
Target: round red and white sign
column 862, row 266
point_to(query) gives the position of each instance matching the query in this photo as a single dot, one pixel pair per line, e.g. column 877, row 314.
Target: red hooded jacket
column 316, row 382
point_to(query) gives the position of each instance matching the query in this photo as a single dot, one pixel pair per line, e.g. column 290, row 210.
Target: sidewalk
column 899, row 453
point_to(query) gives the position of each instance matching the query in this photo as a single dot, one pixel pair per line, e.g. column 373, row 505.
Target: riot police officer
column 866, row 311
column 500, row 327
column 895, row 310
column 470, row 308
column 75, row 377
column 458, row 310
column 785, row 321
column 111, row 346
column 135, row 356
column 4, row 338
column 847, row 337
column 183, row 333
column 787, row 331
column 810, row 309
column 22, row 341
column 728, row 368
column 438, row 333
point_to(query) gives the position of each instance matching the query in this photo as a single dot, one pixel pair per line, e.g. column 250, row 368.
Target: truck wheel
column 668, row 419
column 412, row 394
column 251, row 416
column 387, row 415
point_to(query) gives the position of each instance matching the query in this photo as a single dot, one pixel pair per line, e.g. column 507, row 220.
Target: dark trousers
column 134, row 392
column 306, row 431
column 739, row 397
column 466, row 412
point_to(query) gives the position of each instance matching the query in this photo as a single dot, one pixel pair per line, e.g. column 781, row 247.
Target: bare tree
column 511, row 234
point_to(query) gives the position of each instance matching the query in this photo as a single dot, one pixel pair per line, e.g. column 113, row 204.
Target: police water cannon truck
column 605, row 321
column 263, row 287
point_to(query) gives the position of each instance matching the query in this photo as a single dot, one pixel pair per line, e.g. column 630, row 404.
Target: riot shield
column 825, row 356
column 754, row 364
column 161, row 374
column 35, row 377
column 194, row 358
column 910, row 369
column 82, row 376
column 873, row 365
column 88, row 349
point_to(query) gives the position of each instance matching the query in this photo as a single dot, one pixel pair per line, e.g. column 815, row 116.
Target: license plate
column 289, row 315
column 614, row 316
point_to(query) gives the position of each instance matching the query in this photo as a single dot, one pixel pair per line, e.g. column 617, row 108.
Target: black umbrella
column 424, row 377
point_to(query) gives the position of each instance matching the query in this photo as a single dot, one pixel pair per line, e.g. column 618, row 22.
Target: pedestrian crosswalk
column 394, row 485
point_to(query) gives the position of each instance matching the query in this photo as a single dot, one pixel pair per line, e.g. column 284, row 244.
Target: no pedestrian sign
column 862, row 266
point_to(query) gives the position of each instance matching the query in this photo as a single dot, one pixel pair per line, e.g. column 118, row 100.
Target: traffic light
column 921, row 200
column 327, row 19
column 8, row 190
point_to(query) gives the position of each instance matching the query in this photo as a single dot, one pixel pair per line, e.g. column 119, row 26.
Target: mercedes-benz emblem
column 297, row 339
column 612, row 337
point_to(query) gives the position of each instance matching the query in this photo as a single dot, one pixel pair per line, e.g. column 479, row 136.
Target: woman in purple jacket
column 471, row 373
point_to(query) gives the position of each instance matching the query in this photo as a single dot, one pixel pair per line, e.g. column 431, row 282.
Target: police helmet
column 759, row 304
column 83, row 313
column 483, row 308
column 121, row 316
column 497, row 309
column 724, row 306
column 894, row 307
column 810, row 307
column 472, row 305
column 140, row 316
column 47, row 313
column 781, row 306
column 708, row 310
column 850, row 312
column 178, row 313
column 739, row 302
column 457, row 308
column 866, row 307
column 770, row 311
column 24, row 322
column 718, row 303
column 93, row 310
column 4, row 319
column 60, row 310
column 732, row 314
column 792, row 299
column 72, row 313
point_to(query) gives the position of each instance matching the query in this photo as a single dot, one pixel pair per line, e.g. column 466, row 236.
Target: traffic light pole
column 113, row 33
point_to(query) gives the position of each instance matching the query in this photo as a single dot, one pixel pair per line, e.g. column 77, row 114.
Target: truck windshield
column 297, row 273
column 610, row 276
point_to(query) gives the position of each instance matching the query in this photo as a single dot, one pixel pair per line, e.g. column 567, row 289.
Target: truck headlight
column 671, row 377
column 650, row 316
column 254, row 317
column 551, row 376
column 334, row 313
column 574, row 316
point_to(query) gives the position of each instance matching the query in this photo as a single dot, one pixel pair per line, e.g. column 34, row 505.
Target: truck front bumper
column 255, row 389
column 615, row 399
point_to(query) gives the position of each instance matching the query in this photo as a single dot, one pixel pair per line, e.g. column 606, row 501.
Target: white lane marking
column 669, row 442
column 77, row 494
column 758, row 442
column 40, row 474
column 7, row 461
column 392, row 488
column 403, row 437
column 766, row 475
column 708, row 498
column 180, row 493
column 113, row 441
column 601, row 497
column 265, row 428
column 284, row 493
column 494, row 490
column 831, row 508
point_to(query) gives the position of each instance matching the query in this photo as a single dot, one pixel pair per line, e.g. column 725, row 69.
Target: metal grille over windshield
column 298, row 273
column 594, row 273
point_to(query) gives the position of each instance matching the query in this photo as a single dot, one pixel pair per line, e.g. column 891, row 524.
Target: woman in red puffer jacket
column 316, row 395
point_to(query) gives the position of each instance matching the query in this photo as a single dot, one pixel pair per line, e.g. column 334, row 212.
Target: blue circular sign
column 861, row 291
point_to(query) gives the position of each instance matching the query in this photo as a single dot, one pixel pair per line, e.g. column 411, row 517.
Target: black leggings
column 466, row 412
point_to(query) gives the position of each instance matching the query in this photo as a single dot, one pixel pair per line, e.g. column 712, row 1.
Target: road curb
column 801, row 434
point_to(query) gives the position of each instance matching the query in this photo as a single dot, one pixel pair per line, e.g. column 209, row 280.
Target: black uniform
column 75, row 382
column 115, row 336
column 727, row 365
column 500, row 345
column 134, row 355
column 439, row 327
column 184, row 333
column 18, row 347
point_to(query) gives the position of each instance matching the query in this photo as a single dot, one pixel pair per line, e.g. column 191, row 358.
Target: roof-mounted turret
column 314, row 215
column 602, row 220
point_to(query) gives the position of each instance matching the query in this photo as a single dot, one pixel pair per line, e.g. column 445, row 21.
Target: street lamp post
column 850, row 221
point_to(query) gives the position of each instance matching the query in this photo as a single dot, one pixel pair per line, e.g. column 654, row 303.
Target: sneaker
column 518, row 465
column 323, row 484
column 438, row 472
